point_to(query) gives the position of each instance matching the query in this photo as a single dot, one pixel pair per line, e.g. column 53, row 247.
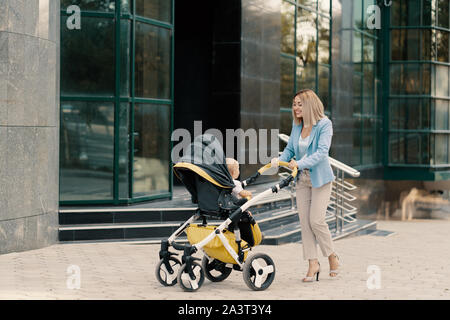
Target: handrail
column 335, row 163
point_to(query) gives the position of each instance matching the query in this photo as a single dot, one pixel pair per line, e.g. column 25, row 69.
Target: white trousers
column 312, row 205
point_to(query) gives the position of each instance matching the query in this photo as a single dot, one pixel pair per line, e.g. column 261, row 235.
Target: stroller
column 204, row 173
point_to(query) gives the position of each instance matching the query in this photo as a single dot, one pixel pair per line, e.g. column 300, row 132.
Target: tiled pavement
column 413, row 263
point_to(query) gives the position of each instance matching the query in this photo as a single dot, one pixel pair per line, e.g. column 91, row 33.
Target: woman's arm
column 323, row 148
column 288, row 152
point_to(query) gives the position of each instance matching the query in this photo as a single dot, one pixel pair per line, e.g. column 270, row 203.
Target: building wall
column 29, row 123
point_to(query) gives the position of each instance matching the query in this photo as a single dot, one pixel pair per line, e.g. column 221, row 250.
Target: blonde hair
column 312, row 110
column 232, row 164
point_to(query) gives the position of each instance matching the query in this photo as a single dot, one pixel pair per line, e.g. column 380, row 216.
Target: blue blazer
column 316, row 159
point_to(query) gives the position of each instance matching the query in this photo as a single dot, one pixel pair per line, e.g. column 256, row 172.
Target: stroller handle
column 265, row 168
column 280, row 163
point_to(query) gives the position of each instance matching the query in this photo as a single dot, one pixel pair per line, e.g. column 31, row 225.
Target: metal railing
column 341, row 198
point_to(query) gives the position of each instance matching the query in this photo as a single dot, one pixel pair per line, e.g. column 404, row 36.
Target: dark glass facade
column 125, row 86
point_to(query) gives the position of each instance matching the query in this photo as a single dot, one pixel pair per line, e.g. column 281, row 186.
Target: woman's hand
column 293, row 164
column 274, row 162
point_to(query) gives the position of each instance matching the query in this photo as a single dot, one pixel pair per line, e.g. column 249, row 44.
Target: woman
column 310, row 142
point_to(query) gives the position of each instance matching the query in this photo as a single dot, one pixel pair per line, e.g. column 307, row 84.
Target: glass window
column 405, row 44
column 441, row 148
column 441, row 80
column 369, row 145
column 155, row 9
column 428, row 47
column 406, row 79
column 357, row 51
column 324, row 7
column 286, row 122
column 87, row 58
column 306, row 37
column 125, row 64
column 324, row 40
column 125, row 6
column 152, row 147
column 442, row 13
column 324, row 78
column 287, row 81
column 86, row 151
column 405, row 13
column 413, row 143
column 89, row 5
column 312, row 4
column 152, row 61
column 306, row 77
column 442, row 46
column 356, row 150
column 441, row 115
column 429, row 13
column 357, row 14
column 369, row 53
column 287, row 27
column 347, row 5
column 124, row 147
column 357, row 93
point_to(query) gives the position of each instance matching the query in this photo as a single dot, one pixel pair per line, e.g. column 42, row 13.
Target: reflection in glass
column 152, row 61
column 442, row 46
column 405, row 12
column 306, row 78
column 287, row 71
column 312, row 4
column 442, row 81
column 286, row 122
column 287, row 27
column 86, row 151
column 155, row 9
column 357, row 14
column 306, row 37
column 356, row 133
column 368, row 146
column 87, row 58
column 324, row 6
column 405, row 44
column 406, row 79
column 125, row 58
column 124, row 147
column 428, row 45
column 441, row 149
column 152, row 147
column 441, row 115
column 357, row 51
column 324, row 40
column 442, row 14
column 89, row 5
column 324, row 78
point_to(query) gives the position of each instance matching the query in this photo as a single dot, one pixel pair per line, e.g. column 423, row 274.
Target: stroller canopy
column 204, row 157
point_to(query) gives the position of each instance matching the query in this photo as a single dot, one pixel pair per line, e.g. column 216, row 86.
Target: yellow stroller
column 204, row 173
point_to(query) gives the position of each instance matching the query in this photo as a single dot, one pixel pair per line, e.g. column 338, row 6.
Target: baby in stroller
column 238, row 191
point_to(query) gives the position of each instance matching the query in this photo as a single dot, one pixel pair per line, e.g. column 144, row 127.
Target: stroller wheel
column 191, row 282
column 166, row 273
column 259, row 272
column 215, row 270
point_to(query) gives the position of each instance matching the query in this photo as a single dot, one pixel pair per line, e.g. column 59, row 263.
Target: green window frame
column 124, row 104
column 426, row 59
